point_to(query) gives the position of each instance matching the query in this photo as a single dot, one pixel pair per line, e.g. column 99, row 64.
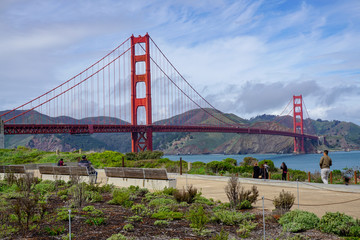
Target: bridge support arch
column 298, row 124
column 141, row 141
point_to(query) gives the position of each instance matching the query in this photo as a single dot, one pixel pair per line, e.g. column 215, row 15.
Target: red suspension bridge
column 136, row 89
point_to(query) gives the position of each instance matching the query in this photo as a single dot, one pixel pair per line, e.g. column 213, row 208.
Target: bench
column 17, row 170
column 66, row 173
column 150, row 178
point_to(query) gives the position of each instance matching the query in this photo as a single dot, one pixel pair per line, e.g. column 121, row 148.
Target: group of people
column 263, row 171
column 84, row 162
column 325, row 163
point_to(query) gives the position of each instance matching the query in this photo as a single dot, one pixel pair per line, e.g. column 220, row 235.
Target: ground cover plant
column 35, row 209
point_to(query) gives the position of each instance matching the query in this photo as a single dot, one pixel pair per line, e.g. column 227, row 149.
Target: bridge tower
column 141, row 140
column 298, row 124
column 2, row 135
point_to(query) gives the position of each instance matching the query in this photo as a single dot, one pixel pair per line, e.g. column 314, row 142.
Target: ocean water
column 304, row 162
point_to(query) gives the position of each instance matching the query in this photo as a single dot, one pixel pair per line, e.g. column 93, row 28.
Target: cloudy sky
column 245, row 57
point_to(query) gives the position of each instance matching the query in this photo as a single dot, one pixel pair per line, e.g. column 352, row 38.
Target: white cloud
column 248, row 57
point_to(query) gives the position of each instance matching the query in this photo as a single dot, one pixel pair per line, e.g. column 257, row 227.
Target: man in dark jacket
column 86, row 163
column 325, row 163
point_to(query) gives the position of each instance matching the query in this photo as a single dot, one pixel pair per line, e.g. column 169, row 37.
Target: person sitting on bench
column 86, row 163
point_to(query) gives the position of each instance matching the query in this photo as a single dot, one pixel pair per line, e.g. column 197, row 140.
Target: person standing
column 325, row 163
column 256, row 172
column 266, row 170
column 283, row 167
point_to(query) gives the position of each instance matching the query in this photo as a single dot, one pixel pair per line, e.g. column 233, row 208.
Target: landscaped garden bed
column 35, row 209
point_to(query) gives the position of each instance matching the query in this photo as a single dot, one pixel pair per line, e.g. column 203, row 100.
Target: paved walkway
column 314, row 197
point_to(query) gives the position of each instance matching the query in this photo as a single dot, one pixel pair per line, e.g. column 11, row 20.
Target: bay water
column 304, row 162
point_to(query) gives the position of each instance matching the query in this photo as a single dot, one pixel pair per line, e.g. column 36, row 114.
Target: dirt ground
column 316, row 198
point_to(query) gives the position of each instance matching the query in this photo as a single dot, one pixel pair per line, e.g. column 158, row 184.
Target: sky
column 245, row 57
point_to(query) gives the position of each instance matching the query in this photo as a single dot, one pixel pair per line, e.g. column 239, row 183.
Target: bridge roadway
column 10, row 129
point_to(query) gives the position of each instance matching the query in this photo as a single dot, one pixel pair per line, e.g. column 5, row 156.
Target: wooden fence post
column 288, row 176
column 355, row 177
column 331, row 178
column 309, row 177
column 180, row 166
column 123, row 161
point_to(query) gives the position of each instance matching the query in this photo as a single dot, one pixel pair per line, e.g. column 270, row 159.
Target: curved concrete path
column 313, row 197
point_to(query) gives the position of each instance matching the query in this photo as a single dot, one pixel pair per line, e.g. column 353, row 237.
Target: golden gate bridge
column 136, row 89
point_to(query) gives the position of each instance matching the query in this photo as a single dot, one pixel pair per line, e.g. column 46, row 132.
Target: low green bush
column 161, row 202
column 96, row 221
column 223, row 235
column 245, row 227
column 228, row 217
column 54, row 230
column 298, row 220
column 141, row 209
column 117, row 236
column 198, row 217
column 129, row 227
column 93, row 196
column 167, row 215
column 135, row 218
column 161, row 223
column 121, row 197
column 338, row 223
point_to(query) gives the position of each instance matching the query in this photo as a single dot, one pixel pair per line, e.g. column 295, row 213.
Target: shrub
column 270, row 164
column 93, row 196
column 284, row 201
column 129, row 227
column 161, row 223
column 169, row 191
column 248, row 161
column 135, row 218
column 97, row 221
column 141, row 209
column 221, row 236
column 216, row 166
column 187, row 195
column 117, row 236
column 198, row 217
column 245, row 228
column 167, row 215
column 230, row 161
column 162, row 202
column 63, row 214
column 78, row 193
column 121, row 197
column 298, row 220
column 228, row 217
column 92, row 211
column 202, row 200
column 44, row 187
column 297, row 175
column 337, row 223
column 236, row 194
column 245, row 205
column 54, row 230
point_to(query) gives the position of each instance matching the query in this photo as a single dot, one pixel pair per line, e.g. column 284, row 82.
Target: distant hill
column 338, row 136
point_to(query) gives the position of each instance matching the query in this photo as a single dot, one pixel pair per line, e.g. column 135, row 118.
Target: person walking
column 325, row 163
column 256, row 172
column 283, row 167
